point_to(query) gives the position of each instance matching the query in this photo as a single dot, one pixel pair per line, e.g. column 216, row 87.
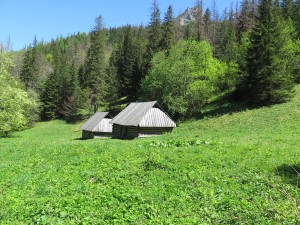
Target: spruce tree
column 32, row 74
column 288, row 8
column 246, row 17
column 207, row 25
column 26, row 74
column 297, row 17
column 139, row 69
column 127, row 62
column 228, row 51
column 95, row 75
column 71, row 101
column 55, row 90
column 50, row 97
column 29, row 71
column 113, row 80
column 215, row 24
column 199, row 21
column 268, row 79
column 228, row 38
column 154, row 34
column 168, row 37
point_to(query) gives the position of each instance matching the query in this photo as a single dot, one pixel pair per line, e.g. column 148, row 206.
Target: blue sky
column 22, row 20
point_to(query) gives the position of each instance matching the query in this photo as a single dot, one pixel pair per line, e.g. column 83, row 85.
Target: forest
column 250, row 53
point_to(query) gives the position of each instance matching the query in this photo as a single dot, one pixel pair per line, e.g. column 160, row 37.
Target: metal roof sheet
column 104, row 126
column 94, row 121
column 137, row 114
column 133, row 113
column 156, row 118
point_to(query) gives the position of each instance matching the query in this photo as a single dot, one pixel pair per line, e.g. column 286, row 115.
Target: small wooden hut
column 97, row 126
column 141, row 119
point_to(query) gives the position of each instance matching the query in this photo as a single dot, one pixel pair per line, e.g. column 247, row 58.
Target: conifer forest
column 250, row 52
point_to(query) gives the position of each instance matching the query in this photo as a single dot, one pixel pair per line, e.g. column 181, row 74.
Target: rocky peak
column 189, row 15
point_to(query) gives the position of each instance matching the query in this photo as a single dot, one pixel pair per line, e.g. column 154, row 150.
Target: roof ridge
column 94, row 120
column 144, row 114
column 137, row 109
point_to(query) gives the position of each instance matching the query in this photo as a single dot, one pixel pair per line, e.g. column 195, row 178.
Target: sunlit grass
column 234, row 168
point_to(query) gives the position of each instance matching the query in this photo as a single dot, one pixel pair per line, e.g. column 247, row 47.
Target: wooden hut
column 141, row 119
column 97, row 126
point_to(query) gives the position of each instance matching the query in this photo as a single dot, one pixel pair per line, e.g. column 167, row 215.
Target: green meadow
column 237, row 168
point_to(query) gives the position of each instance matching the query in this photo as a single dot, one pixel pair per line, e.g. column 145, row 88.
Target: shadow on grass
column 76, row 118
column 11, row 136
column 289, row 173
column 224, row 105
column 86, row 139
column 80, row 139
column 150, row 165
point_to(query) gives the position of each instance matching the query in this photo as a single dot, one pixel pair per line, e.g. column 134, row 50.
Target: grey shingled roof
column 94, row 121
column 133, row 113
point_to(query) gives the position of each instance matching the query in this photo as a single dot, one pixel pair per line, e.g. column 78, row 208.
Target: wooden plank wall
column 132, row 132
column 148, row 131
column 87, row 134
column 116, row 131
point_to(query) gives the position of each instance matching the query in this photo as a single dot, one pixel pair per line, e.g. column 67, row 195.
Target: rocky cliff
column 189, row 15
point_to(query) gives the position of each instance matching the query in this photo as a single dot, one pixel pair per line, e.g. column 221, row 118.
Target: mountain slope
column 235, row 168
column 259, row 126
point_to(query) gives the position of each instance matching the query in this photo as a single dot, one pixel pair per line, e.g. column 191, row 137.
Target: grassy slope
column 239, row 175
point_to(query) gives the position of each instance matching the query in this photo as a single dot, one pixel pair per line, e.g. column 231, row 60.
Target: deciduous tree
column 14, row 102
column 183, row 80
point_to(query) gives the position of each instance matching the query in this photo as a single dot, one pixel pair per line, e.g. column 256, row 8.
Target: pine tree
column 268, row 79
